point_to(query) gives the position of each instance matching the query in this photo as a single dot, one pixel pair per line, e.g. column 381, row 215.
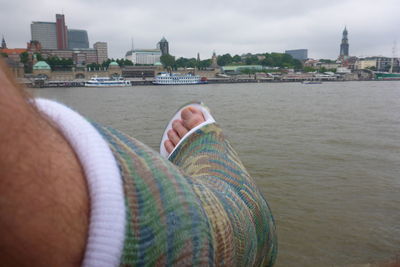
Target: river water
column 326, row 157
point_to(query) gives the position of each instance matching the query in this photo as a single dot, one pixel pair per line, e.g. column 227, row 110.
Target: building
column 139, row 71
column 344, row 46
column 78, row 39
column 214, row 64
column 45, row 33
column 144, row 56
column 42, row 70
column 3, row 43
column 102, row 51
column 55, row 35
column 300, row 54
column 381, row 64
column 16, row 67
column 62, row 32
column 163, row 46
column 13, row 53
column 234, row 70
column 365, row 64
column 80, row 57
column 328, row 66
column 343, row 70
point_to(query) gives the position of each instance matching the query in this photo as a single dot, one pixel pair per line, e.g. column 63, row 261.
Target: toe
column 169, row 146
column 191, row 117
column 187, row 113
column 173, row 137
column 177, row 125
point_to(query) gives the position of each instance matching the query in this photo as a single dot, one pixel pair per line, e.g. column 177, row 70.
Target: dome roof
column 41, row 65
column 113, row 64
column 157, row 64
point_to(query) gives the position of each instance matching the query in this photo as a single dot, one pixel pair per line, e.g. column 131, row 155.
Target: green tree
column 106, row 63
column 322, row 70
column 203, row 64
column 25, row 59
column 186, row 62
column 224, row 60
column 281, row 60
column 93, row 66
column 326, row 61
column 252, row 60
column 57, row 63
column 3, row 54
column 127, row 62
column 236, row 59
column 308, row 69
column 39, row 57
column 168, row 61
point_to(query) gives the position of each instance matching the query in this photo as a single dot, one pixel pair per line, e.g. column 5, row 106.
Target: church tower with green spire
column 344, row 46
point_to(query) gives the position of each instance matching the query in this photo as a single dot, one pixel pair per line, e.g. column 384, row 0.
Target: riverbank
column 149, row 82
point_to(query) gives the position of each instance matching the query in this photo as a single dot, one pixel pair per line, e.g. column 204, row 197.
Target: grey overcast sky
column 226, row 26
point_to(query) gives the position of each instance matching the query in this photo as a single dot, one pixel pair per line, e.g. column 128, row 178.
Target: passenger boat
column 107, row 82
column 176, row 78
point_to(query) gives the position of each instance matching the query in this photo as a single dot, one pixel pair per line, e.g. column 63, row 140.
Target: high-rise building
column 344, row 46
column 163, row 46
column 45, row 33
column 78, row 39
column 55, row 35
column 62, row 32
column 300, row 54
column 102, row 53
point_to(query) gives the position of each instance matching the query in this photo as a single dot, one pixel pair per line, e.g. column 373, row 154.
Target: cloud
column 233, row 26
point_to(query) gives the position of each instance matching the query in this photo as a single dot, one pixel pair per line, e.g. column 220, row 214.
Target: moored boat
column 311, row 82
column 176, row 79
column 107, row 82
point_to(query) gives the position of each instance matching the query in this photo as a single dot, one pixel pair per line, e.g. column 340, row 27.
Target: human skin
column 191, row 117
column 44, row 201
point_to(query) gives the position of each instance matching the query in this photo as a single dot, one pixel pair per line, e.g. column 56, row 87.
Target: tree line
column 279, row 60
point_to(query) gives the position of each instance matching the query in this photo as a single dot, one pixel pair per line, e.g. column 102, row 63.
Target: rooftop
column 13, row 50
column 41, row 65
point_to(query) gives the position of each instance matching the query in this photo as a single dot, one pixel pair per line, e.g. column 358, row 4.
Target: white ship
column 107, row 82
column 165, row 78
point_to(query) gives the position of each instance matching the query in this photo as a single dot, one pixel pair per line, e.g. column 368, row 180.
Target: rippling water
column 325, row 156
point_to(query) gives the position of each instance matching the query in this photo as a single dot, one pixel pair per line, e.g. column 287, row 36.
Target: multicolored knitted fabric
column 201, row 208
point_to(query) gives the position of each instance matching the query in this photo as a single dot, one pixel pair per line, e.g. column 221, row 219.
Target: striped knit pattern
column 207, row 213
column 243, row 226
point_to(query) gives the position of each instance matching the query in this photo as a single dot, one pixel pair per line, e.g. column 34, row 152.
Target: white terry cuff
column 107, row 205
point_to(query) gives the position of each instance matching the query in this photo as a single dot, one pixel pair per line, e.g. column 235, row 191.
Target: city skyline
column 226, row 27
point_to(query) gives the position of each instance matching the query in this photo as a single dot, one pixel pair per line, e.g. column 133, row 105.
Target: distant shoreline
column 55, row 84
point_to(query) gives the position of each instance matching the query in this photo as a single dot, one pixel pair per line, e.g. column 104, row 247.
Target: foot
column 191, row 117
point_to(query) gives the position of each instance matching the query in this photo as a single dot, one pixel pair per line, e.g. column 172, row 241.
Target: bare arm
column 44, row 205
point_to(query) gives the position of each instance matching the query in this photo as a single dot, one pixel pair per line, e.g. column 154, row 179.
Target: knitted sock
column 242, row 224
